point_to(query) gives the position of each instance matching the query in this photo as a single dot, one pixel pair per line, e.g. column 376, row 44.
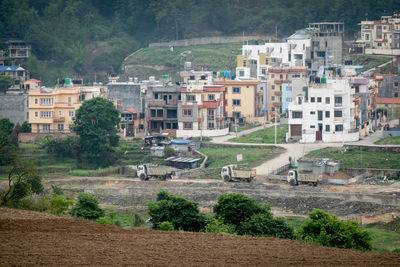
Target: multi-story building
column 279, row 93
column 161, row 109
column 244, row 100
column 127, row 95
column 16, row 72
column 380, row 36
column 52, row 110
column 201, row 111
column 15, row 50
column 389, row 93
column 323, row 112
column 132, row 123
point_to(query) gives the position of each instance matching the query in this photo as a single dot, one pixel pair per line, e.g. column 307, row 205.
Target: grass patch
column 126, row 219
column 252, row 156
column 356, row 158
column 241, row 128
column 368, row 61
column 391, row 140
column 266, row 136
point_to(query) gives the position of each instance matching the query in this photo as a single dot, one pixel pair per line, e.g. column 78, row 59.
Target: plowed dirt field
column 30, row 238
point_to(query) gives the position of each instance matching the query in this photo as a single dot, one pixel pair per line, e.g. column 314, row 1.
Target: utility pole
column 275, row 127
column 392, row 105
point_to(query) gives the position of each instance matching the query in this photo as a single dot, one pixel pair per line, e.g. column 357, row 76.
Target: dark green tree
column 7, row 150
column 183, row 214
column 26, row 127
column 87, row 207
column 328, row 230
column 6, row 82
column 95, row 122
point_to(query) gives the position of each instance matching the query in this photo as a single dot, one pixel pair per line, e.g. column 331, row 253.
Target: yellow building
column 52, row 110
column 244, row 100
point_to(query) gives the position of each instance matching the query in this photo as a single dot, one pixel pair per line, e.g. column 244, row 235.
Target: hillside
column 30, row 238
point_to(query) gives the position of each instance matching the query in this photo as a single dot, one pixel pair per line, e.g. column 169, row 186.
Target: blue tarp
column 181, row 142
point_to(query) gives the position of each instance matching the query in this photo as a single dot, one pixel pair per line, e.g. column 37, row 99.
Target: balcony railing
column 59, row 119
column 338, row 105
column 278, row 93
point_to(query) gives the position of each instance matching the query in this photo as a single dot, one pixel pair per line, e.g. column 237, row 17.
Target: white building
column 323, row 112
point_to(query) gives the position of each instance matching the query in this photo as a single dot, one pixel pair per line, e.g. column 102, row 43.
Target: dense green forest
column 81, row 38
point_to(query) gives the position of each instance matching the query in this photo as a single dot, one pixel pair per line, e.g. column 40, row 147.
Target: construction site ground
column 362, row 202
column 29, row 238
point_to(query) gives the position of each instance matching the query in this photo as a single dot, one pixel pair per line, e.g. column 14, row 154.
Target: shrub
column 329, row 231
column 57, row 190
column 396, row 250
column 59, row 204
column 166, row 226
column 216, row 226
column 104, row 220
column 263, row 224
column 61, row 147
column 87, row 207
column 169, row 152
column 182, row 213
column 236, row 208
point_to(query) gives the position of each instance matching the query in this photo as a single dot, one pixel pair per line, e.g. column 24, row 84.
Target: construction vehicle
column 231, row 173
column 147, row 171
column 296, row 178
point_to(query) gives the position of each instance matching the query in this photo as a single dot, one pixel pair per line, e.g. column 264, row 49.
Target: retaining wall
column 371, row 172
column 33, row 137
column 391, row 148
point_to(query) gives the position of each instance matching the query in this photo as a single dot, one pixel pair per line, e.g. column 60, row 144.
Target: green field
column 392, row 140
column 367, row 61
column 252, row 156
column 266, row 135
column 356, row 158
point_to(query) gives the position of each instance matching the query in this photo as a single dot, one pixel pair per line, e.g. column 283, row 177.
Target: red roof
column 219, row 88
column 210, row 104
column 132, row 110
column 32, row 80
column 387, row 100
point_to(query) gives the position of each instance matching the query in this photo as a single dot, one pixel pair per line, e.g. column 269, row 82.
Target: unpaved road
column 28, row 239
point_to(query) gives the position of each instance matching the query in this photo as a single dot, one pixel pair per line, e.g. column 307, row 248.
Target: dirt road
column 28, row 238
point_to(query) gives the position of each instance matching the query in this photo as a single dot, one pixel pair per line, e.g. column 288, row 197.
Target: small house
column 182, row 163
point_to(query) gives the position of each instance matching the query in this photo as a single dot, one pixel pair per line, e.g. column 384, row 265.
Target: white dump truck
column 295, row 178
column 231, row 173
column 146, row 171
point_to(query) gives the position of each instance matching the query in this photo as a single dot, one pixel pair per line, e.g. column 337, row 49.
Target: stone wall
column 392, row 148
column 14, row 106
column 371, row 172
column 33, row 137
column 212, row 40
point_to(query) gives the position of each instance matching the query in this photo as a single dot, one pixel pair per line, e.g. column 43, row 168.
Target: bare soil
column 29, row 238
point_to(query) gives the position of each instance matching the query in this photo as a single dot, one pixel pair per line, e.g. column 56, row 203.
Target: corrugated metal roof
column 181, row 159
column 11, row 68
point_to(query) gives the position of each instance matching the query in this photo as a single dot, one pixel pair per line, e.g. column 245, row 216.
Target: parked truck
column 231, row 173
column 296, row 178
column 147, row 171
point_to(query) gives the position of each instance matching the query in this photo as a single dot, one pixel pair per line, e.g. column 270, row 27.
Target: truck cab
column 142, row 172
column 226, row 173
column 292, row 177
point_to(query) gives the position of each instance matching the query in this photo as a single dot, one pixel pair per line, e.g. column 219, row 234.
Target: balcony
column 277, row 104
column 338, row 105
column 278, row 93
column 59, row 119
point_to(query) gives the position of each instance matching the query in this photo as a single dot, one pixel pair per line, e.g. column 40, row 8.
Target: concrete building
column 323, row 112
column 126, row 95
column 14, row 105
column 16, row 72
column 244, row 100
column 52, row 110
column 15, row 50
column 201, row 111
column 132, row 123
column 380, row 36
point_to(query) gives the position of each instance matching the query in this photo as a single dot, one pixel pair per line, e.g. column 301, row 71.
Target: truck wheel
column 226, row 178
column 292, row 183
column 143, row 177
column 248, row 180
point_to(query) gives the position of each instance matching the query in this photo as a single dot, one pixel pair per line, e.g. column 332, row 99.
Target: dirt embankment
column 28, row 238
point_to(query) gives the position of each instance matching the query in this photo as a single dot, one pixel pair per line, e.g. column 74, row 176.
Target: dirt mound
column 27, row 238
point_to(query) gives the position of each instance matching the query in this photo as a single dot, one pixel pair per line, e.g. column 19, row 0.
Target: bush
column 169, row 152
column 264, row 224
column 182, row 213
column 329, row 231
column 87, row 207
column 104, row 220
column 236, row 208
column 61, row 147
column 217, row 227
column 59, row 204
column 166, row 226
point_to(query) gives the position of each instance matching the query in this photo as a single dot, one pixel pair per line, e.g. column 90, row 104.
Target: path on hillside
column 380, row 66
column 295, row 150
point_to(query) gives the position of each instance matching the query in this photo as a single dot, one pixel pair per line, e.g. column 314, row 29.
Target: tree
column 6, row 82
column 95, row 122
column 26, row 127
column 7, row 150
column 87, row 207
column 23, row 180
column 328, row 230
column 183, row 214
column 236, row 208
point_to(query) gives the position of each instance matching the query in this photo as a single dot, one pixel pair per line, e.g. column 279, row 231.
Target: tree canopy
column 95, row 122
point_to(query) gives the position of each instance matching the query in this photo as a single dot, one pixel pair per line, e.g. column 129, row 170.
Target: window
column 272, row 109
column 191, row 77
column 272, row 98
column 327, row 100
column 338, row 114
column 288, row 99
column 190, row 98
column 327, row 114
column 367, row 36
column 169, row 96
column 211, row 97
column 297, row 114
column 187, row 113
column 60, row 127
column 236, row 90
column 59, row 113
column 152, row 113
column 241, row 73
column 312, row 112
column 312, row 99
column 210, row 125
column 312, row 126
column 46, row 127
column 395, row 95
column 71, row 113
column 263, row 71
column 327, row 128
column 319, row 99
column 188, row 125
column 272, row 75
column 338, row 101
column 379, row 44
column 339, row 128
column 46, row 114
column 168, row 125
column 46, row 101
column 36, row 100
column 396, row 84
column 160, row 113
column 273, row 87
column 155, row 95
column 236, row 102
column 141, row 126
column 69, row 101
